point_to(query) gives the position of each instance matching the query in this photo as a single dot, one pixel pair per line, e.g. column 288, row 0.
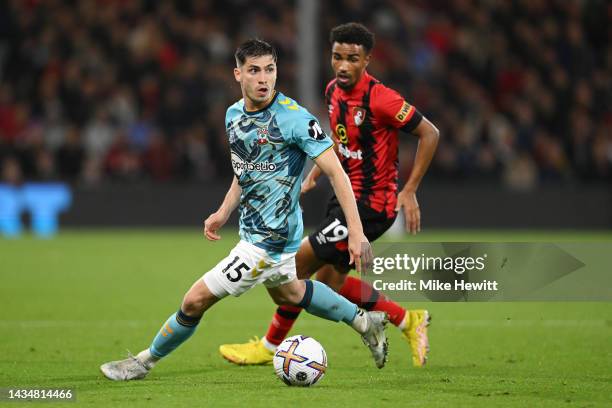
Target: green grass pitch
column 71, row 303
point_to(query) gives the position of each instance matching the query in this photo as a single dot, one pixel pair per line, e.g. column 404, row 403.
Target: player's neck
column 251, row 106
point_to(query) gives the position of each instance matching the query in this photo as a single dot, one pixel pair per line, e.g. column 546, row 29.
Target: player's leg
column 326, row 252
column 182, row 324
column 307, row 263
column 257, row 351
column 332, row 277
column 323, row 248
column 362, row 293
column 224, row 279
column 412, row 323
column 320, row 300
column 326, row 245
column 175, row 331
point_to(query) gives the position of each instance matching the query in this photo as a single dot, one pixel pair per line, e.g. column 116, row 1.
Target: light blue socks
column 177, row 329
column 320, row 300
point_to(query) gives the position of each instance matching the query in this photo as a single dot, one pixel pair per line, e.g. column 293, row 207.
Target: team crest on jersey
column 359, row 115
column 262, row 135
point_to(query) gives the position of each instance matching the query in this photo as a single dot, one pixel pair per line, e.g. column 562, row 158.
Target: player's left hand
column 408, row 201
column 308, row 184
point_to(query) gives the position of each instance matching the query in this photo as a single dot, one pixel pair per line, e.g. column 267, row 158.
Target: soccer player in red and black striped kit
column 365, row 117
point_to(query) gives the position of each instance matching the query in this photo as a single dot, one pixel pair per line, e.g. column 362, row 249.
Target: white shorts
column 245, row 267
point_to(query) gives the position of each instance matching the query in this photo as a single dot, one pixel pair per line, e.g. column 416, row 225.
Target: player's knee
column 336, row 285
column 287, row 299
column 289, row 295
column 332, row 276
column 281, row 301
column 303, row 273
column 197, row 300
column 193, row 305
column 306, row 261
column 324, row 274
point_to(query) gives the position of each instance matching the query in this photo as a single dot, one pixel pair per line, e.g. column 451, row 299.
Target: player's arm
column 220, row 217
column 428, row 136
column 310, row 181
column 329, row 164
column 394, row 111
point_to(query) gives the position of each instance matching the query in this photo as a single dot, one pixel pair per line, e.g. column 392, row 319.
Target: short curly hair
column 353, row 33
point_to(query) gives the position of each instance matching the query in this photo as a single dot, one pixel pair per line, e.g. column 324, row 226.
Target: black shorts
column 330, row 240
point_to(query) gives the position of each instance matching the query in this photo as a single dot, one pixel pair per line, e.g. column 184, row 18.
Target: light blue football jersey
column 268, row 152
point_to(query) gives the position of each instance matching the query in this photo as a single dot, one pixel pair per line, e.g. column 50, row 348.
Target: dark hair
column 253, row 48
column 352, row 33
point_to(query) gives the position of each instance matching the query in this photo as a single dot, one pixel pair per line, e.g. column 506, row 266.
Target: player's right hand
column 360, row 251
column 308, row 184
column 212, row 224
column 408, row 201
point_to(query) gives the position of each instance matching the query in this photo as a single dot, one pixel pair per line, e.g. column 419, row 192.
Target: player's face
column 349, row 61
column 257, row 77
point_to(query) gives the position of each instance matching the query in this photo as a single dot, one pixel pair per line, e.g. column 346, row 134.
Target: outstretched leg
column 175, row 331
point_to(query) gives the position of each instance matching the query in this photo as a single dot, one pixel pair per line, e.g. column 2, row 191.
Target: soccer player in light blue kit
column 270, row 136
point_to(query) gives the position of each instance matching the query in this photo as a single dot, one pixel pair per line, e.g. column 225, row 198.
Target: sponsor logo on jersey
column 405, row 112
column 341, row 133
column 350, row 154
column 359, row 115
column 239, row 166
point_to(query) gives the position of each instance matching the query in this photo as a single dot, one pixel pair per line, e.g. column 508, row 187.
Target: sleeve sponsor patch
column 315, row 131
column 405, row 112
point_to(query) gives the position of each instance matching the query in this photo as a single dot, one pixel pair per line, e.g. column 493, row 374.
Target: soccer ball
column 300, row 361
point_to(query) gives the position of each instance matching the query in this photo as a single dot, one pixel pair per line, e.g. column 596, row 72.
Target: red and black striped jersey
column 365, row 122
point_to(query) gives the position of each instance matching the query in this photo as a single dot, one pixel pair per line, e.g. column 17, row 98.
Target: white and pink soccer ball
column 300, row 361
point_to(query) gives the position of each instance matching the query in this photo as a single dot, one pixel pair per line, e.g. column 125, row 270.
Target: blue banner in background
column 43, row 201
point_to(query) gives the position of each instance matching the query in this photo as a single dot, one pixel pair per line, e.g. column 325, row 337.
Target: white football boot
column 124, row 370
column 375, row 337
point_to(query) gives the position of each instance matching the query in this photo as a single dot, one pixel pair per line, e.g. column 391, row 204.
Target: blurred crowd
column 97, row 91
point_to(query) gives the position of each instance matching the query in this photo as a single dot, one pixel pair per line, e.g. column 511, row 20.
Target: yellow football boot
column 251, row 353
column 415, row 333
